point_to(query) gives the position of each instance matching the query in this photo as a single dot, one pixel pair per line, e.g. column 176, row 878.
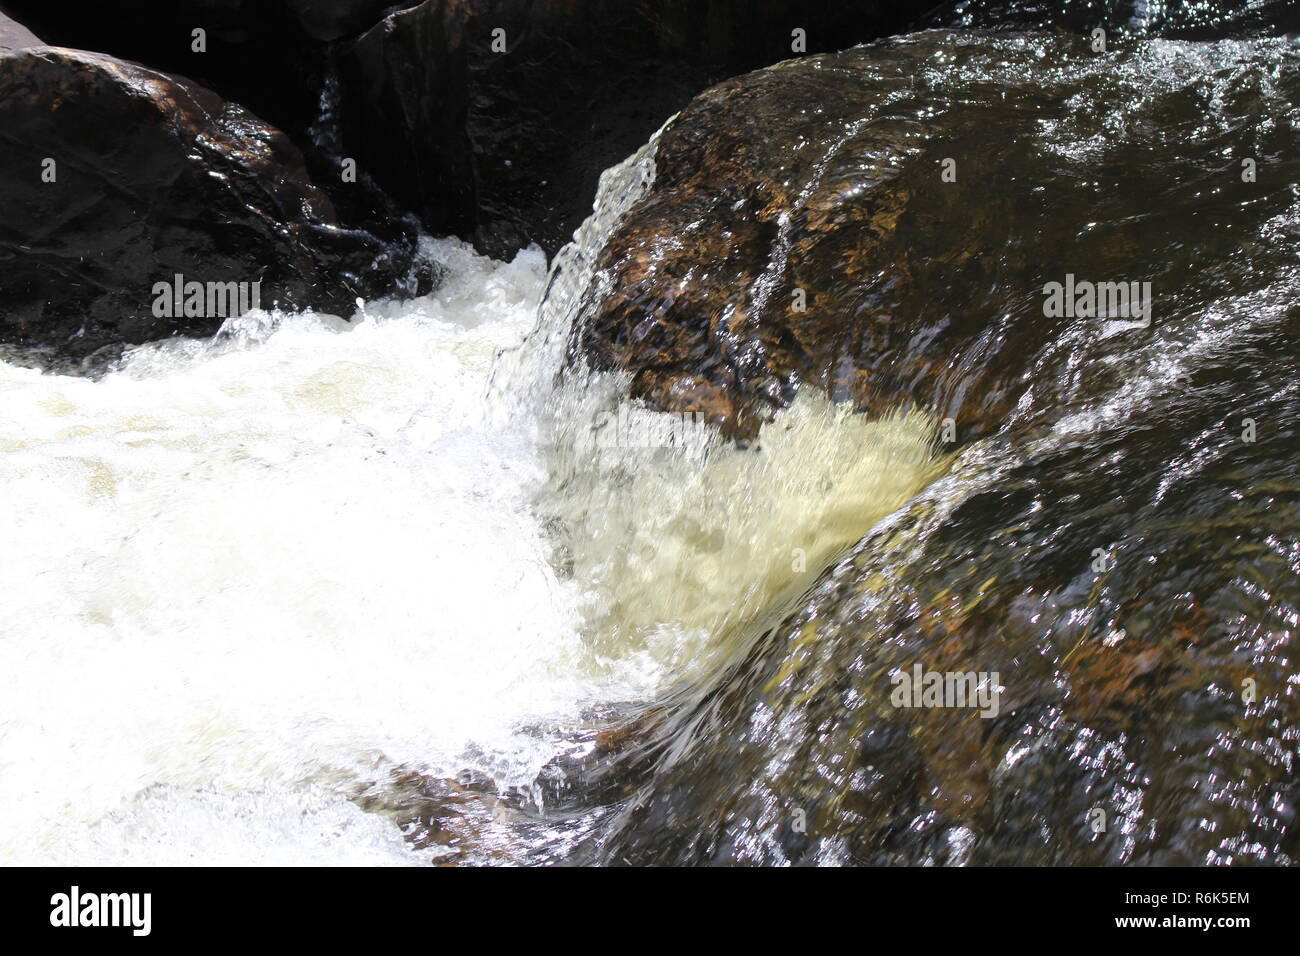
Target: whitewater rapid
column 246, row 578
column 241, row 571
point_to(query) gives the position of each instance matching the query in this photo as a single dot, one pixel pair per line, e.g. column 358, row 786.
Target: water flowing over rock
column 1183, row 19
column 115, row 177
column 990, row 554
column 1118, row 552
column 494, row 119
column 880, row 223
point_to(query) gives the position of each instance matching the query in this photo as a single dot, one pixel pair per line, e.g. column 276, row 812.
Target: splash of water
column 247, row 577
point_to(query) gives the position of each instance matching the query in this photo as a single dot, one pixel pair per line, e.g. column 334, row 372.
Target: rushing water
column 377, row 590
column 248, row 579
column 239, row 574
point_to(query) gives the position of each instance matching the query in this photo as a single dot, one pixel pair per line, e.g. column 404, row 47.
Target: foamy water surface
column 243, row 577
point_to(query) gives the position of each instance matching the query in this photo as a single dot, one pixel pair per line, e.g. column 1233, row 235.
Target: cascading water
column 1116, row 546
column 269, row 573
column 390, row 589
column 256, row 570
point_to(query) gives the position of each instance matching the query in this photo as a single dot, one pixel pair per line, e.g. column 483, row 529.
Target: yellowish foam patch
column 685, row 551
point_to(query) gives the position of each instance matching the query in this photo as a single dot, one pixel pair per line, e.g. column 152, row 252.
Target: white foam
column 290, row 557
column 243, row 579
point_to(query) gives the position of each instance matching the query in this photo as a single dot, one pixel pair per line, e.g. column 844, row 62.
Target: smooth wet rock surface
column 1121, row 547
column 115, row 177
column 880, row 223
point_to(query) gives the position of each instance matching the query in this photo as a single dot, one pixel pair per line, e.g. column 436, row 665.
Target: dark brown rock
column 153, row 176
column 1118, row 549
column 268, row 55
column 820, row 184
column 799, row 232
column 404, row 105
column 274, row 57
column 507, row 148
column 1184, row 19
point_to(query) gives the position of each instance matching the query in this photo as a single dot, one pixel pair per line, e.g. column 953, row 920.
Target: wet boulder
column 116, row 178
column 1146, row 712
column 268, row 55
column 882, row 223
column 803, row 228
column 494, row 119
column 1116, row 544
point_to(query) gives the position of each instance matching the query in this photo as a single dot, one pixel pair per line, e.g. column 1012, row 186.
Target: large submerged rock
column 115, row 177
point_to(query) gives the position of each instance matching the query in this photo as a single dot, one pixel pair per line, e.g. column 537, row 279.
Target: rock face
column 114, row 177
column 800, row 230
column 15, row 36
column 505, row 144
column 273, row 57
column 493, row 119
column 848, row 222
column 268, row 55
column 328, row 20
column 1125, row 689
column 1119, row 551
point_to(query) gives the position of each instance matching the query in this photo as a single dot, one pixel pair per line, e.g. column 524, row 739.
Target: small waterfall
column 386, row 579
column 574, row 280
column 325, row 132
